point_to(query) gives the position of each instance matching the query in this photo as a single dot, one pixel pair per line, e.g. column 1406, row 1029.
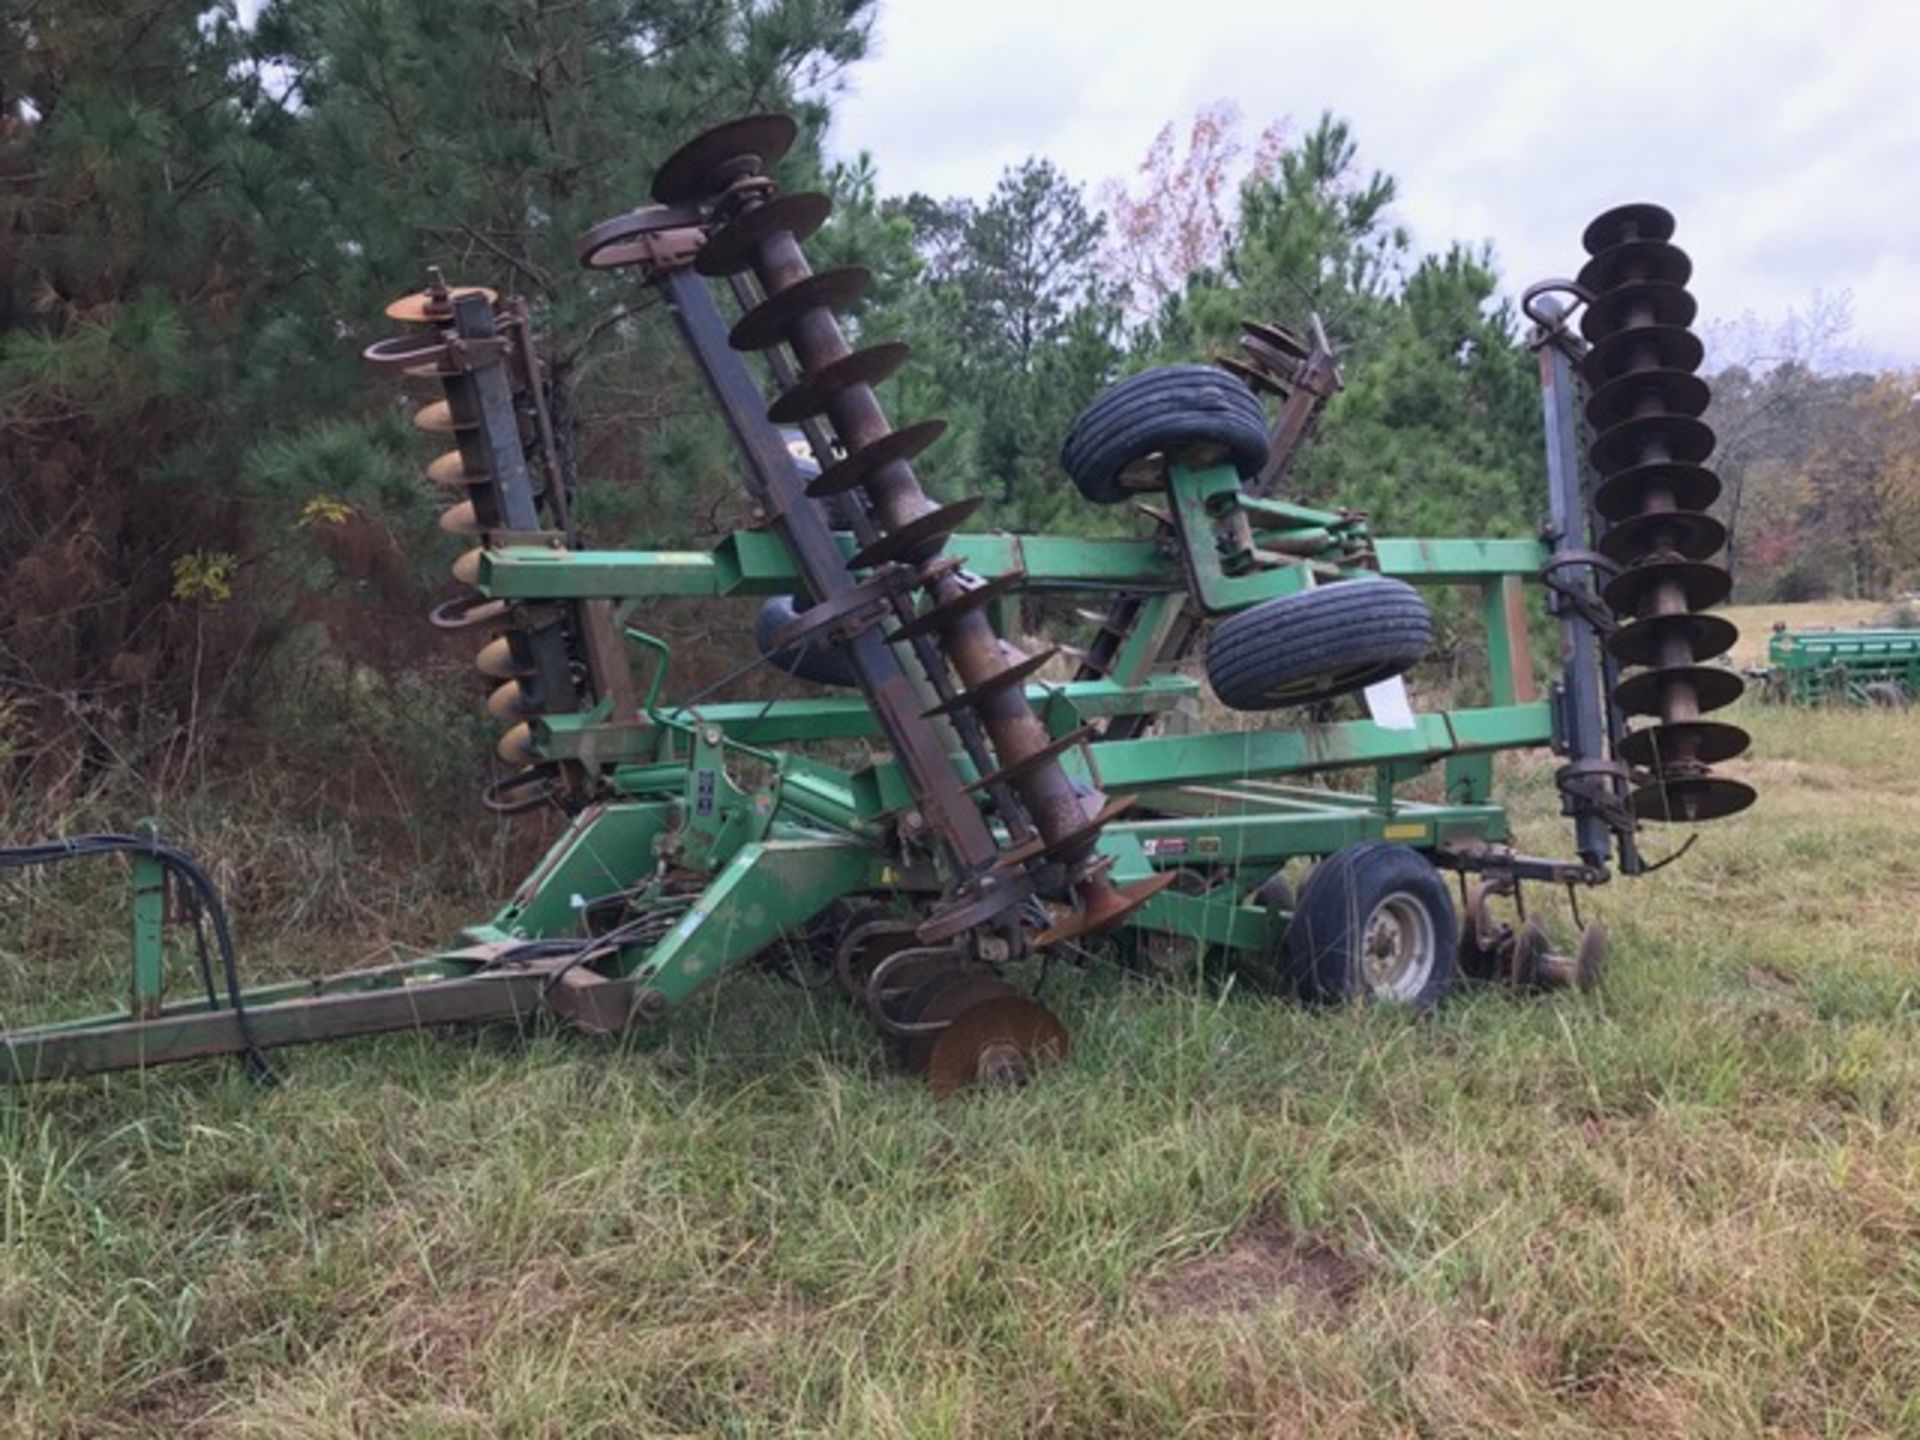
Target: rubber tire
column 816, row 660
column 1275, row 892
column 1887, row 694
column 1310, row 646
column 1171, row 409
column 1322, row 945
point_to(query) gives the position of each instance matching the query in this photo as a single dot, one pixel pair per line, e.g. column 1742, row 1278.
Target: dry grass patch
column 1263, row 1262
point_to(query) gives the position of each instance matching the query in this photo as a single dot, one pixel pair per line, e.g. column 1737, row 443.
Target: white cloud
column 1782, row 134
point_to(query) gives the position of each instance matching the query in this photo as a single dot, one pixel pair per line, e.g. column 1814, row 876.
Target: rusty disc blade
column 449, row 472
column 1001, row 1041
column 1117, row 905
column 939, row 1001
column 731, row 247
column 1252, row 376
column 509, row 702
column 1639, row 221
column 931, row 620
column 693, row 172
column 461, row 519
column 970, row 908
column 516, row 746
column 1276, row 338
column 1622, row 496
column 1634, row 260
column 919, row 537
column 466, row 569
column 1638, row 441
column 814, row 391
column 1688, row 533
column 1035, row 759
column 1646, row 347
column 1530, row 947
column 1675, row 392
column 1016, row 674
column 1714, row 688
column 767, row 324
column 496, row 660
column 1070, row 845
column 425, row 307
column 1633, row 591
column 1590, row 958
column 1699, row 742
column 1482, row 937
column 859, row 467
column 437, row 419
column 1691, row 798
column 1629, row 307
column 1645, row 642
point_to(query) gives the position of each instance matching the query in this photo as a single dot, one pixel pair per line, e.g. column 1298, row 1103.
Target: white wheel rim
column 1397, row 950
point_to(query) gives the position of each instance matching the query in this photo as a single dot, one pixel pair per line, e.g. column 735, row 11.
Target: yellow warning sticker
column 1404, row 832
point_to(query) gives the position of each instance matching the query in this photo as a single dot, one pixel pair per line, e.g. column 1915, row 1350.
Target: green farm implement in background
column 1851, row 667
column 991, row 811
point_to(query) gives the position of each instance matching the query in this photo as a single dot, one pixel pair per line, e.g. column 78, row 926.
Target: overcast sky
column 1784, row 135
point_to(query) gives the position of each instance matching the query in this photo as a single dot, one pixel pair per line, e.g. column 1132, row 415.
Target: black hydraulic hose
column 205, row 898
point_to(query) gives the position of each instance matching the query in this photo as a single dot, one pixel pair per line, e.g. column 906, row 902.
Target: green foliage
column 200, row 223
column 1437, row 430
column 1015, row 329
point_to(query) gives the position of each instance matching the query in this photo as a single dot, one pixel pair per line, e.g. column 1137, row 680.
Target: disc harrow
column 1645, row 405
column 920, row 837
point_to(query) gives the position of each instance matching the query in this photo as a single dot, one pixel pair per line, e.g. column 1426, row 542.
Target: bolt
column 1001, row 1064
column 650, row 1005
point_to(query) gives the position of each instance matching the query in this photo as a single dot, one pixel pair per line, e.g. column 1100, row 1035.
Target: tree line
column 212, row 521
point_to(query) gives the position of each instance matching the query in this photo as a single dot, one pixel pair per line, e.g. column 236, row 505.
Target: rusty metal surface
column 725, row 172
column 855, row 470
column 810, row 394
column 1000, row 1041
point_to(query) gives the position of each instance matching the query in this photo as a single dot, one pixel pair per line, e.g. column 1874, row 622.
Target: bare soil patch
column 1263, row 1262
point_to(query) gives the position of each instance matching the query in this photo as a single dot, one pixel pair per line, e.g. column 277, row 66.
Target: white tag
column 1389, row 705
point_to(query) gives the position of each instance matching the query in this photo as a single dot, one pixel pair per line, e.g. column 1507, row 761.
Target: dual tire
column 1291, row 650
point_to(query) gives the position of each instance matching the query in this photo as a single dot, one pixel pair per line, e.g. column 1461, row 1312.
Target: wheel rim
column 1397, row 948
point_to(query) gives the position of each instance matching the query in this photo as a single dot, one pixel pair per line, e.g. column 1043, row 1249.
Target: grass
column 1688, row 1207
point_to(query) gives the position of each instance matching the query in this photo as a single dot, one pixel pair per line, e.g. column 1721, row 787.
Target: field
column 1757, row 621
column 1689, row 1207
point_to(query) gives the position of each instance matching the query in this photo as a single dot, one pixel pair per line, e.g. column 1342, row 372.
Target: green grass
column 1689, row 1207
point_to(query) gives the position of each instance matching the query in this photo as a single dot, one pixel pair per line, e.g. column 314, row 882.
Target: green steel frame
column 719, row 819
